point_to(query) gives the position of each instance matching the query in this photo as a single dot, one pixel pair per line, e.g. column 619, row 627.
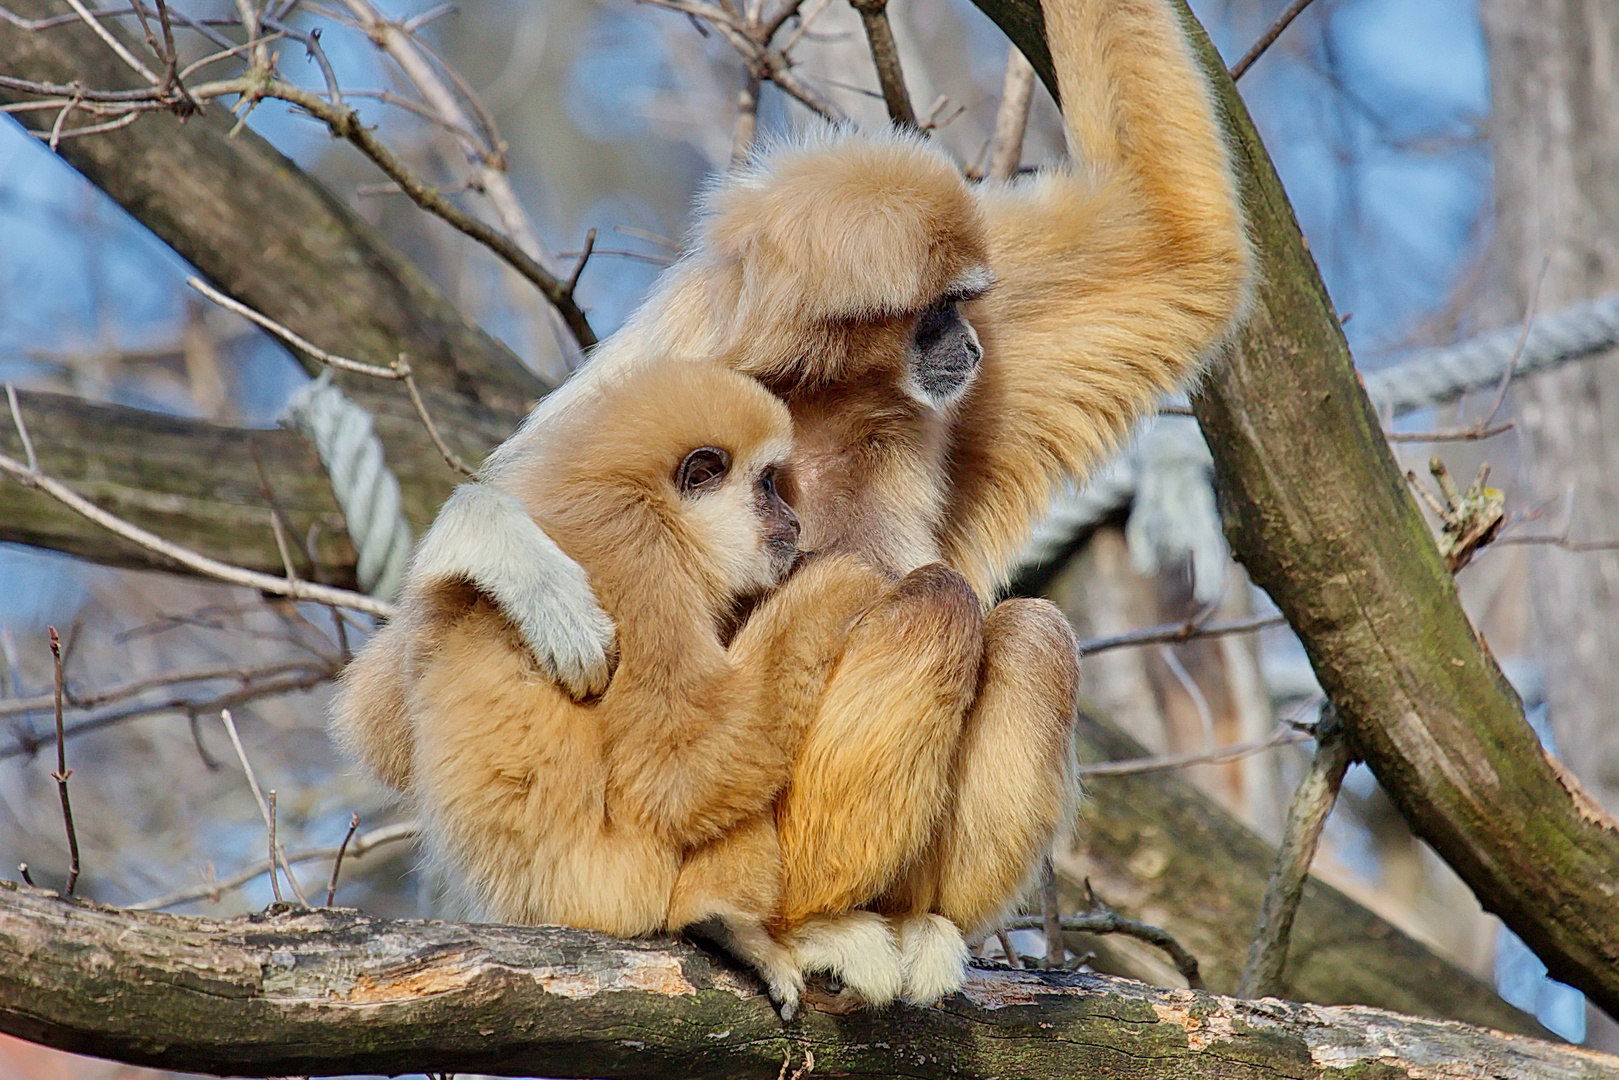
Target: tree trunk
column 332, row 991
column 1554, row 75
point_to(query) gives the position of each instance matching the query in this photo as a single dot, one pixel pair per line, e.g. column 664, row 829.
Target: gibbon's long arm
column 837, row 271
column 1114, row 277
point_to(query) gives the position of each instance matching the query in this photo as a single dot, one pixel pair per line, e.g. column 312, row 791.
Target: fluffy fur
column 651, row 807
column 936, row 767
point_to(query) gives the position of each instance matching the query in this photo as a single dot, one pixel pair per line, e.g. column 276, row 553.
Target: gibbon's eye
column 703, row 468
column 767, row 481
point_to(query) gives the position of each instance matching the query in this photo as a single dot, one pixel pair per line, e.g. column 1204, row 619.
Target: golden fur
column 651, row 807
column 935, row 769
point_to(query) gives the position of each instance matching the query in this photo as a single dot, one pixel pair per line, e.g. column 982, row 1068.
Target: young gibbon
column 948, row 352
column 652, row 807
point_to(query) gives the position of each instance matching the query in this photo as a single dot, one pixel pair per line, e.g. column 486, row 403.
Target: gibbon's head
column 667, row 479
column 853, row 254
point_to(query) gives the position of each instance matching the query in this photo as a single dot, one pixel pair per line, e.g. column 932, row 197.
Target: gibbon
column 652, row 807
column 948, row 352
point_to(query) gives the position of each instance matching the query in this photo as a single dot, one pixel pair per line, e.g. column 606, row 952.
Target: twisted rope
column 1435, row 376
column 365, row 488
column 1151, row 476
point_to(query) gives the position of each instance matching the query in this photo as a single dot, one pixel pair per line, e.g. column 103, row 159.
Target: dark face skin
column 781, row 524
column 944, row 350
column 705, row 469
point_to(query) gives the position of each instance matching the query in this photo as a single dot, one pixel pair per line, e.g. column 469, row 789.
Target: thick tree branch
column 332, row 991
column 199, row 484
column 1319, row 514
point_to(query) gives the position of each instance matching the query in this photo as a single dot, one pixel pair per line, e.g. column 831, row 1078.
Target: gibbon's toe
column 933, row 958
column 857, row 947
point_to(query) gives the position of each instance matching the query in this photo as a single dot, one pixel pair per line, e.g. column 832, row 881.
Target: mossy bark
column 332, row 991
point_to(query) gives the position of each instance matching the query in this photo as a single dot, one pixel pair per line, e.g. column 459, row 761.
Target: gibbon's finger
column 485, row 536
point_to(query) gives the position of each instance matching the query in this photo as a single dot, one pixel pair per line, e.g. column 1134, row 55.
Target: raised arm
column 1114, row 277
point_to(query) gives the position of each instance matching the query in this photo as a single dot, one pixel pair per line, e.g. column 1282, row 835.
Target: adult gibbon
column 652, row 807
column 948, row 352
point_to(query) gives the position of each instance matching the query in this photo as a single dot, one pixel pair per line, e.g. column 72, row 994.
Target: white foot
column 857, row 947
column 933, row 957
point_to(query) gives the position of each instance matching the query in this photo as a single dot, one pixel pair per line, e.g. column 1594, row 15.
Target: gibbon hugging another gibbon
column 652, row 807
column 947, row 352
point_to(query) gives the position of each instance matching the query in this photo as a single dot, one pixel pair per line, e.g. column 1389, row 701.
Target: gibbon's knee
column 1015, row 778
column 739, row 872
column 872, row 776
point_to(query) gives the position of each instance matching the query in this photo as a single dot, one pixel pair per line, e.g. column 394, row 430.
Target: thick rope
column 1435, row 376
column 366, row 489
column 1165, row 474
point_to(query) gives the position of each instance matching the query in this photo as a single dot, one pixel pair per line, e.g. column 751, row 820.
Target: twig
column 18, row 706
column 22, row 868
column 885, row 57
column 290, row 336
column 1012, row 118
column 248, row 13
column 1482, row 428
column 62, row 771
column 1559, row 542
column 22, row 429
column 113, row 43
column 747, row 115
column 1268, row 38
column 1517, row 350
column 1282, row 736
column 202, row 564
column 486, row 157
column 282, row 547
column 451, row 458
column 269, row 817
column 817, row 8
column 266, row 809
column 337, row 863
column 1466, row 434
column 55, row 137
column 1177, row 632
column 399, row 370
column 1051, row 916
column 1312, row 802
column 1012, row 960
column 27, row 744
column 584, row 257
column 1102, row 919
column 211, row 890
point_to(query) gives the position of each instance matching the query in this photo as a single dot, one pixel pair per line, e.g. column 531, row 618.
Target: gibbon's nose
column 786, row 531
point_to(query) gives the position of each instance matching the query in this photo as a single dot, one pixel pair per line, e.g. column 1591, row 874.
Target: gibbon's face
column 944, row 351
column 749, row 530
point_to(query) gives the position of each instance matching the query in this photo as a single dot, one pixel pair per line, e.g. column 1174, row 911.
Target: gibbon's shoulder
column 855, row 224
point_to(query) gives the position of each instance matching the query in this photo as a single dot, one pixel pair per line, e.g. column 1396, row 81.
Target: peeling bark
column 333, row 991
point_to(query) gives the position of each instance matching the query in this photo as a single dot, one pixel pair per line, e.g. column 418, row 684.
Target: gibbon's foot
column 857, row 948
column 933, row 957
column 751, row 946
